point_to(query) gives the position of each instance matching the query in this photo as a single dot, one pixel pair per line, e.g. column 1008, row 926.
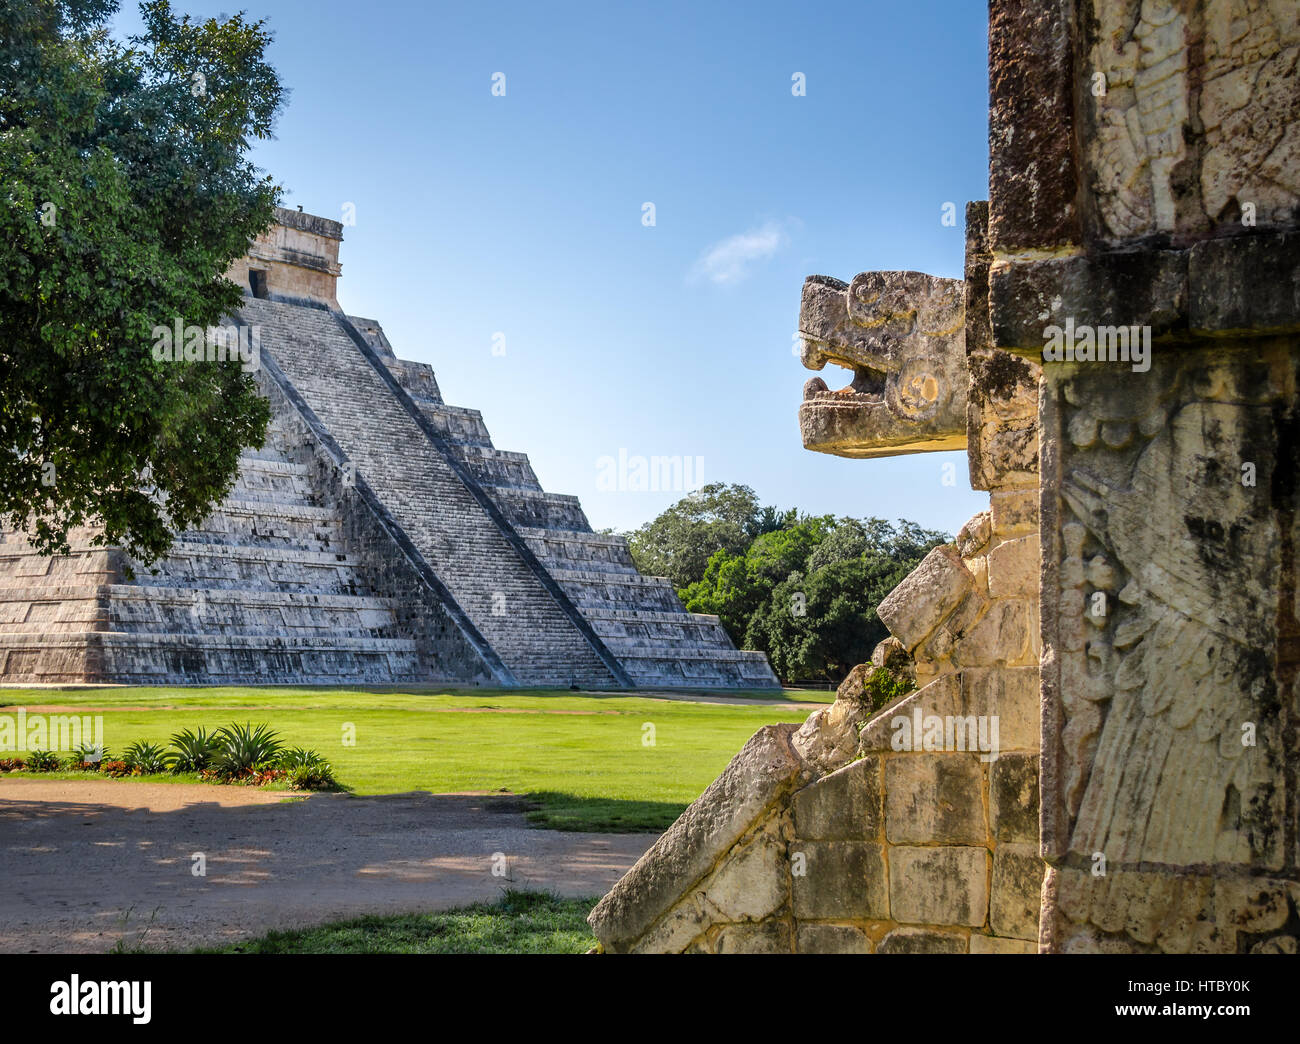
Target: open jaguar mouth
column 867, row 386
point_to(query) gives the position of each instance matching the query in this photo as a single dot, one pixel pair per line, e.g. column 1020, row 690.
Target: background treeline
column 801, row 588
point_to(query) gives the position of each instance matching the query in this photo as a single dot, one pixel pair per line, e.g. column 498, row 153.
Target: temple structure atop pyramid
column 377, row 537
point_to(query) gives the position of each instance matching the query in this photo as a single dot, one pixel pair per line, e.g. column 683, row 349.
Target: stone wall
column 1169, row 483
column 298, row 257
column 884, row 830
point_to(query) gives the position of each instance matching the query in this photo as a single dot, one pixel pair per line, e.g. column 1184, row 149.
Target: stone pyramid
column 377, row 537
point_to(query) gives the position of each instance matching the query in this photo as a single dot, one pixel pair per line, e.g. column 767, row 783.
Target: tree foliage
column 679, row 543
column 803, row 589
column 128, row 194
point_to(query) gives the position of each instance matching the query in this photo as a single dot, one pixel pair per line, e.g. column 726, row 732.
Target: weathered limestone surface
column 297, row 258
column 284, row 583
column 378, row 537
column 661, row 905
column 1168, row 804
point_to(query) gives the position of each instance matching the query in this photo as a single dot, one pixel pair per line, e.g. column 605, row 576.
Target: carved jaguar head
column 902, row 335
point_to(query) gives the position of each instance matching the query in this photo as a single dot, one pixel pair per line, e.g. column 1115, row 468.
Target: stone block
column 1014, row 568
column 1124, row 288
column 1001, row 636
column 842, row 880
column 768, row 937
column 832, row 938
column 940, row 696
column 1013, row 797
column 1017, row 887
column 976, row 272
column 1033, row 177
column 1240, row 284
column 995, row 944
column 925, row 597
column 844, row 806
column 939, row 885
column 922, row 940
column 828, row 740
column 1014, row 511
column 1010, row 694
column 676, row 930
column 934, row 798
column 750, row 884
column 974, row 535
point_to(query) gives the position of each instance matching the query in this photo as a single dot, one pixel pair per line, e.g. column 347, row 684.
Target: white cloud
column 729, row 260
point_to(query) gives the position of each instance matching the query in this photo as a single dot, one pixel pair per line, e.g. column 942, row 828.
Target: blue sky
column 523, row 215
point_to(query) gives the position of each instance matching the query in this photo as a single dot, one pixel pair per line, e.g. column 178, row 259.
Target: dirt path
column 75, row 857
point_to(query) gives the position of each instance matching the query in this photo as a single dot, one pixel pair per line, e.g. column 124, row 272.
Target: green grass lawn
column 520, row 922
column 581, row 757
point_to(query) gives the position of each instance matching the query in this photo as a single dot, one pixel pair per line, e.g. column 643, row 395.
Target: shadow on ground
column 80, row 876
column 558, row 811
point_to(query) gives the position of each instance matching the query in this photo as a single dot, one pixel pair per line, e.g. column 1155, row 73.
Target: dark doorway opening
column 257, row 282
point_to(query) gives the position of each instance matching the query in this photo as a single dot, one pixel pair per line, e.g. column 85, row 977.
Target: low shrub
column 88, row 757
column 145, row 758
column 247, row 778
column 300, row 757
column 246, row 755
column 195, row 750
column 245, row 750
column 11, row 764
column 43, row 761
column 319, row 776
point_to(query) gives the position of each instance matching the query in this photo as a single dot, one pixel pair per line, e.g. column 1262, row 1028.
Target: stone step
column 459, row 424
column 670, row 673
column 248, row 524
column 276, row 509
column 262, row 495
column 662, row 635
column 637, row 650
column 540, row 510
column 418, row 380
column 584, row 552
column 591, row 589
column 499, row 468
column 194, row 564
column 162, row 658
column 22, row 569
column 135, row 609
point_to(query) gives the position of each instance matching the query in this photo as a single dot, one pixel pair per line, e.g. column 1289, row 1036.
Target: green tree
column 822, row 624
column 806, row 593
column 734, row 587
column 128, row 195
column 679, row 543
